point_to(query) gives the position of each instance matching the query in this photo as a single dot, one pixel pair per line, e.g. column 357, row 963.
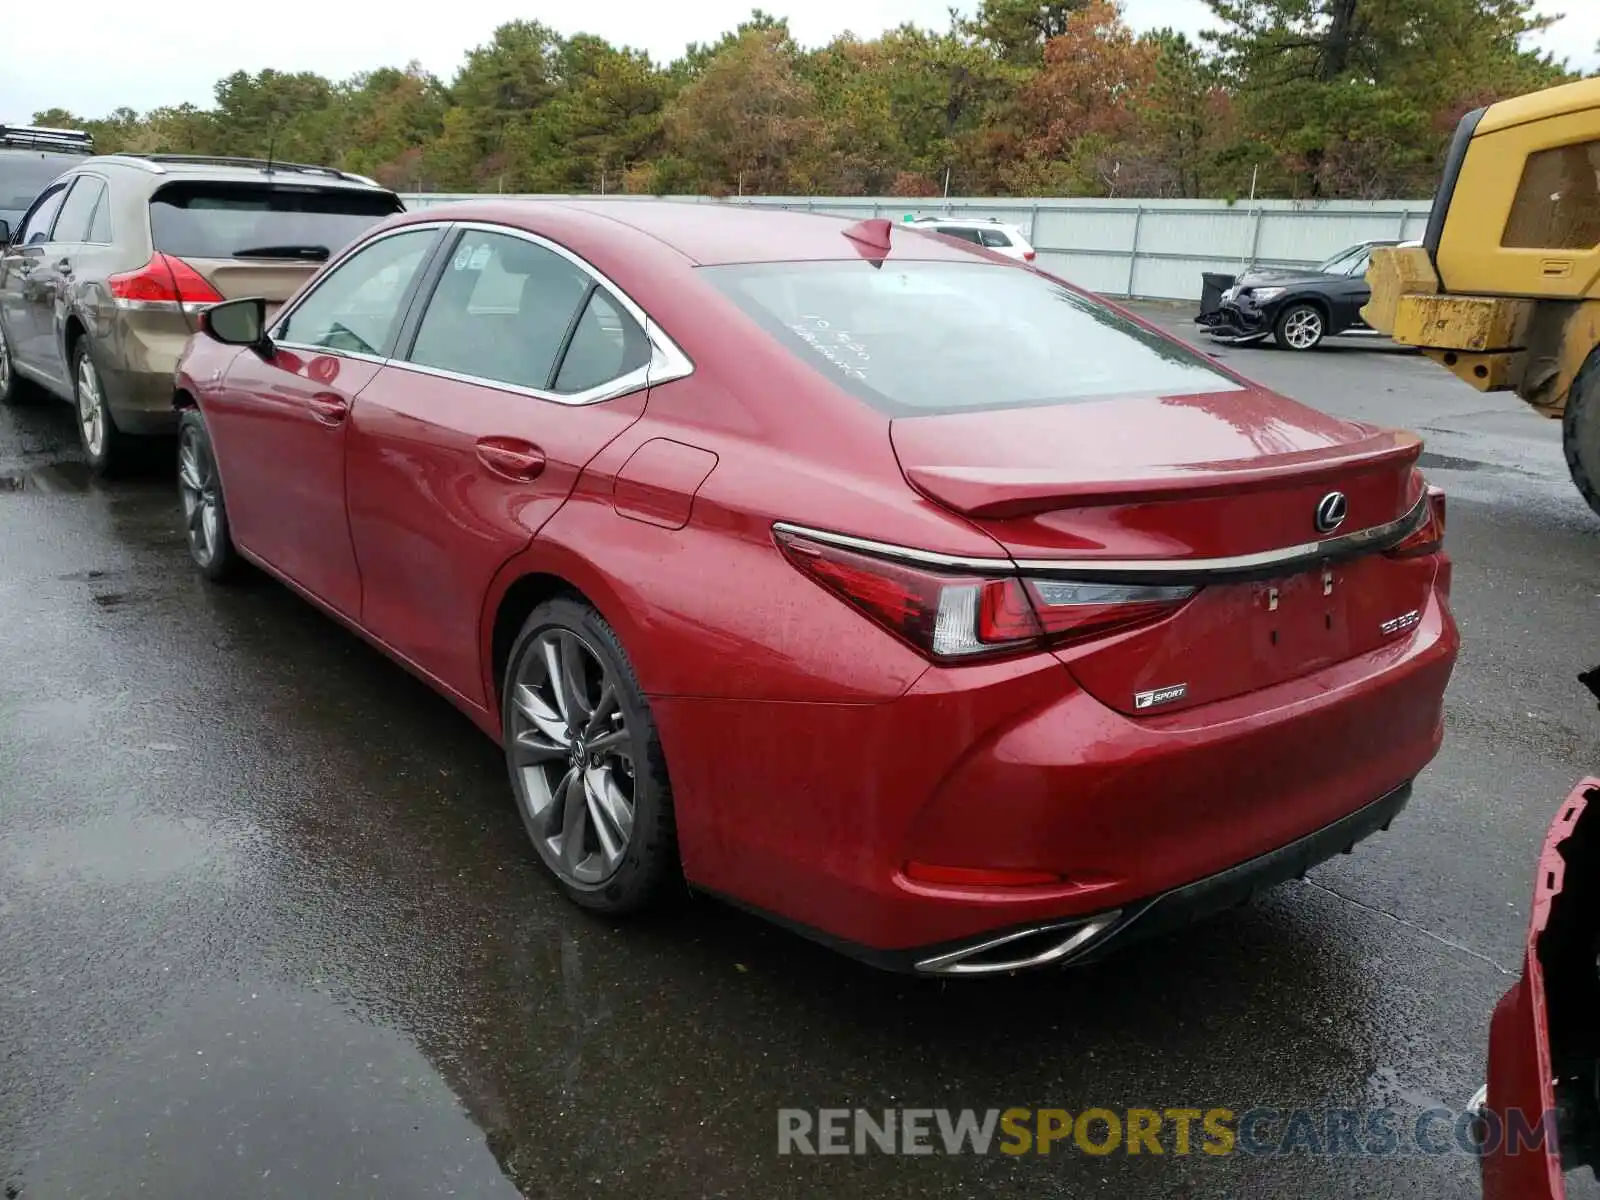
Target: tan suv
column 103, row 278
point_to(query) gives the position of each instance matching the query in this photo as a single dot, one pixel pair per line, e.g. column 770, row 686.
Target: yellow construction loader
column 1505, row 288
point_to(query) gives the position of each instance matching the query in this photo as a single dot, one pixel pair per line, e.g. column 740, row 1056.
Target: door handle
column 328, row 408
column 511, row 458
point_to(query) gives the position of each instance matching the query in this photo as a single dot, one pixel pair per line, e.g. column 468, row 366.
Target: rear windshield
column 220, row 220
column 931, row 337
column 23, row 176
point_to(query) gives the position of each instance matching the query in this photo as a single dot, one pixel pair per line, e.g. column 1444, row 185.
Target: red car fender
column 1522, row 1075
column 544, row 556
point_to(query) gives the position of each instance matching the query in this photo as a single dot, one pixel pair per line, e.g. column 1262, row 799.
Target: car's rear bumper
column 1033, row 945
column 138, row 358
column 811, row 812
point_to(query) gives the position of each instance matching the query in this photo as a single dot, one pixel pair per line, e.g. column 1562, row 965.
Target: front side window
column 501, row 311
column 36, row 225
column 356, row 308
column 912, row 338
column 78, row 211
column 1339, row 264
column 1557, row 203
column 1358, row 265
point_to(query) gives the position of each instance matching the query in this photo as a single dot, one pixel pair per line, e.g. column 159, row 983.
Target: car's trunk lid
column 1209, row 490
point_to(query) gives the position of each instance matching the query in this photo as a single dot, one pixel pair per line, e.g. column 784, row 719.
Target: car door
column 278, row 423
column 21, row 280
column 517, row 370
column 53, row 277
column 1350, row 291
column 1539, row 1114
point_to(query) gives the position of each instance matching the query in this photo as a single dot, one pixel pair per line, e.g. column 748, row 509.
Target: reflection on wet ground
column 65, row 476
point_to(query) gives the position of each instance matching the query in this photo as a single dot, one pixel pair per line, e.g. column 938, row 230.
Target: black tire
column 14, row 390
column 1300, row 327
column 649, row 869
column 1580, row 431
column 105, row 447
column 200, row 487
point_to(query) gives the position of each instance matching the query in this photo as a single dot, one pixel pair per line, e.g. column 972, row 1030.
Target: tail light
column 1029, row 255
column 954, row 616
column 1429, row 537
column 164, row 282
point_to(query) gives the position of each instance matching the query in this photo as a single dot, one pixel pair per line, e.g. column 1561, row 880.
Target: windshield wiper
column 310, row 253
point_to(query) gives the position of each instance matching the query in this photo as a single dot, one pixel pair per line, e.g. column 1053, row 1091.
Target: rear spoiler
column 1001, row 492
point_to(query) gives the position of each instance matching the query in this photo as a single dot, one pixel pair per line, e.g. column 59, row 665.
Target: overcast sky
column 113, row 52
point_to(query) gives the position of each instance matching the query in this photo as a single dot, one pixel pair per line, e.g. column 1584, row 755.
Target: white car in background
column 986, row 232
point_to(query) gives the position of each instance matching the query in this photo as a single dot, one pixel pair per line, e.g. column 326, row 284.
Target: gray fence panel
column 1155, row 249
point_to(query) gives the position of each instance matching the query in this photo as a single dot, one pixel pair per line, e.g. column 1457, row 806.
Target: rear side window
column 500, row 311
column 606, row 343
column 993, row 237
column 78, row 211
column 262, row 220
column 1557, row 203
column 100, row 223
column 931, row 337
column 966, row 235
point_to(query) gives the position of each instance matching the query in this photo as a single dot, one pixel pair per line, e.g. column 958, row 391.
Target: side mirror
column 237, row 322
column 5, row 232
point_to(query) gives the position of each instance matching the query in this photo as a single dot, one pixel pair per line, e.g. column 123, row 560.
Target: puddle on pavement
column 70, row 476
column 1444, row 462
column 121, row 850
column 261, row 1089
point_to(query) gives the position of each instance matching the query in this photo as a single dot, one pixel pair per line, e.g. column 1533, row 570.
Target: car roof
column 707, row 233
column 164, row 167
column 964, row 222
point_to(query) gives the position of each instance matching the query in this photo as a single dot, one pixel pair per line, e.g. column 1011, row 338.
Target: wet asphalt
column 269, row 926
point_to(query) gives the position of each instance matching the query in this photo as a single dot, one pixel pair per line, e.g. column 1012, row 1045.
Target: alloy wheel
column 572, row 758
column 1303, row 329
column 197, row 485
column 91, row 412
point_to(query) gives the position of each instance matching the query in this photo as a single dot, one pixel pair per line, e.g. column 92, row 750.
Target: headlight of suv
column 1260, row 295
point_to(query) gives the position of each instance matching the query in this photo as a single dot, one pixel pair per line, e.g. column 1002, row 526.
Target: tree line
column 1293, row 98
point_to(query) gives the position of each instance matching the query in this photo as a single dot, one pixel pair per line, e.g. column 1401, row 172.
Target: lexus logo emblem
column 1331, row 510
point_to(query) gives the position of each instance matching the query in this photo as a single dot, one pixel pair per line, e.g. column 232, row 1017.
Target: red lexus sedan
column 852, row 573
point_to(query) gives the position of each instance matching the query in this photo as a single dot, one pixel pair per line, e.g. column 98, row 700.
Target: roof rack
column 39, row 137
column 227, row 160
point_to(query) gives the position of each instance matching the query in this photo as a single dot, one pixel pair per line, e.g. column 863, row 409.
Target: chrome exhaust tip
column 1022, row 949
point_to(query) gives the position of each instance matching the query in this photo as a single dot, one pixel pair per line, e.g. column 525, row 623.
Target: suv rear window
column 219, row 220
column 931, row 337
column 24, row 174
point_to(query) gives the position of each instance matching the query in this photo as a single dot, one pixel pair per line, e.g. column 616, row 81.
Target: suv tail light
column 1029, row 255
column 1429, row 537
column 163, row 282
column 953, row 616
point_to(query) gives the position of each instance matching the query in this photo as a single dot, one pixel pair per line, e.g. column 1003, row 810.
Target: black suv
column 29, row 159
